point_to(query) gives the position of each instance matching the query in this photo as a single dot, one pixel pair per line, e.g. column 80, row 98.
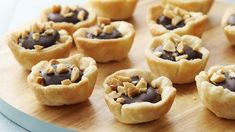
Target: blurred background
column 16, row 13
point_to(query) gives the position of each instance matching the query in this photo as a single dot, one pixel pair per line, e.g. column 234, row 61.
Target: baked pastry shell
column 105, row 50
column 195, row 28
column 69, row 27
column 217, row 99
column 29, row 57
column 56, row 95
column 192, row 5
column 228, row 29
column 179, row 72
column 141, row 111
column 114, row 9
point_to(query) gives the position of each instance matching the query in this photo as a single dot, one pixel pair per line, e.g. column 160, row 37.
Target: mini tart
column 228, row 24
column 216, row 88
column 192, row 5
column 174, row 19
column 63, row 81
column 114, row 9
column 69, row 18
column 178, row 58
column 137, row 96
column 39, row 42
column 108, row 41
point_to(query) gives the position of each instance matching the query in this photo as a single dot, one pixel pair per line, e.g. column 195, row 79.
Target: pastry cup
column 195, row 27
column 228, row 29
column 192, row 5
column 69, row 27
column 216, row 98
column 105, row 50
column 27, row 57
column 179, row 72
column 114, row 9
column 56, row 95
column 140, row 112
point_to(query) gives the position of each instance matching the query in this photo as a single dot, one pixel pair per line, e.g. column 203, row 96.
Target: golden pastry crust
column 29, row 57
column 105, row 50
column 228, row 29
column 140, row 112
column 179, row 72
column 192, row 5
column 195, row 25
column 217, row 99
column 114, row 9
column 56, row 95
column 69, row 27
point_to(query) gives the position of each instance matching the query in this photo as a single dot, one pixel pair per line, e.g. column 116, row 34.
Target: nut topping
column 133, row 91
column 61, row 68
column 81, row 15
column 141, row 84
column 36, row 36
column 38, row 47
column 49, row 70
column 177, row 58
column 217, row 78
column 66, row 82
column 120, row 100
column 103, row 20
column 114, row 94
column 169, row 46
column 180, row 48
column 108, row 29
column 56, row 8
column 75, row 74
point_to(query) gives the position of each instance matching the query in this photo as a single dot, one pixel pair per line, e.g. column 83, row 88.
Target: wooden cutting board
column 186, row 114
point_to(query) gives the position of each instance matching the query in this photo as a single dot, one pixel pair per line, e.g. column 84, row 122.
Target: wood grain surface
column 186, row 114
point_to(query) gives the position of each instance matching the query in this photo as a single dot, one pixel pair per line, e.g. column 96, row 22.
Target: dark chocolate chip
column 166, row 22
column 45, row 41
column 114, row 35
column 231, row 20
column 56, row 78
column 228, row 83
column 186, row 51
column 57, row 17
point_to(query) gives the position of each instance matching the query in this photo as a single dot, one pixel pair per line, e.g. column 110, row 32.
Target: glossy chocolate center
column 56, row 78
column 114, row 35
column 228, row 83
column 186, row 51
column 166, row 22
column 45, row 41
column 150, row 96
column 231, row 20
column 57, row 17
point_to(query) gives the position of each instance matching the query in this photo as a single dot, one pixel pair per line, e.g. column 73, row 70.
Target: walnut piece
column 56, row 8
column 217, row 78
column 168, row 45
column 103, row 20
column 38, row 47
column 75, row 74
column 61, row 68
column 108, row 29
column 81, row 15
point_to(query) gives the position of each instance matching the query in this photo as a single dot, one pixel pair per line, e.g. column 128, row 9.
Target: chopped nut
column 35, row 28
column 61, row 68
column 169, row 13
column 193, row 42
column 24, row 34
column 176, row 20
column 120, row 100
column 157, row 53
column 75, row 74
column 108, row 29
column 169, row 46
column 66, row 82
column 141, row 84
column 65, row 10
column 39, row 80
column 221, row 71
column 69, row 14
column 232, row 74
column 95, row 30
column 217, row 78
column 182, row 12
column 36, row 36
column 53, row 61
column 48, row 25
column 122, row 90
column 49, row 70
column 114, row 94
column 133, row 91
column 81, row 15
column 123, row 78
column 38, row 47
column 177, row 58
column 103, row 20
column 49, row 31
column 56, row 8
column 143, row 90
column 114, row 83
column 180, row 48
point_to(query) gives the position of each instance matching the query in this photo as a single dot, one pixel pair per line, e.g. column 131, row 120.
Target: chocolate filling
column 228, row 83
column 45, row 41
column 166, row 22
column 57, row 17
column 231, row 20
column 150, row 96
column 186, row 51
column 56, row 78
column 114, row 35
